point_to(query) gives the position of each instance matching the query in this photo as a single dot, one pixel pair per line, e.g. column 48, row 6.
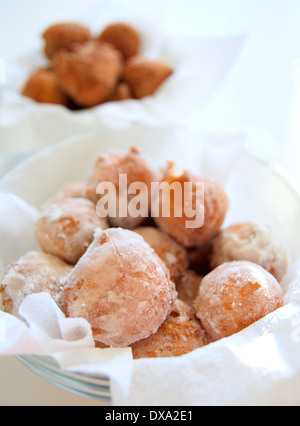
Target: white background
column 260, row 94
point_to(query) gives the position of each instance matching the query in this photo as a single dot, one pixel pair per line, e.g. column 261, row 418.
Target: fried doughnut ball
column 173, row 254
column 145, row 76
column 70, row 190
column 234, row 296
column 124, row 37
column 66, row 228
column 89, row 72
column 180, row 334
column 63, row 36
column 253, row 242
column 33, row 273
column 121, row 287
column 108, row 168
column 213, row 208
column 188, row 287
column 42, row 86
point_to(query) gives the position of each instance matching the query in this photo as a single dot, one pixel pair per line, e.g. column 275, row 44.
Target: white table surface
column 262, row 92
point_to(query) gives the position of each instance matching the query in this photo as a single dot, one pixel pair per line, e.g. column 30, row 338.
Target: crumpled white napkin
column 46, row 331
column 259, row 366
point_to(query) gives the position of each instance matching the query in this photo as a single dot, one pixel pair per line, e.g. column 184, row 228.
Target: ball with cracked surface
column 34, row 272
column 66, row 228
column 256, row 243
column 180, row 334
column 234, row 296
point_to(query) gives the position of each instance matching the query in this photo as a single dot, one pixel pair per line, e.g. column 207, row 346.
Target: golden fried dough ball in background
column 124, row 37
column 234, row 296
column 108, row 168
column 63, row 36
column 213, row 209
column 180, row 334
column 253, row 242
column 33, row 273
column 145, row 76
column 121, row 287
column 89, row 72
column 42, row 86
column 66, row 228
column 170, row 251
column 122, row 93
column 188, row 287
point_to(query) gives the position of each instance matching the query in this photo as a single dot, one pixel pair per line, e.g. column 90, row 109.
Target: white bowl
column 258, row 191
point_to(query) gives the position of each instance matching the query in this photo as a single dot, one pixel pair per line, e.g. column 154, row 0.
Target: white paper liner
column 201, row 65
column 256, row 366
column 245, row 369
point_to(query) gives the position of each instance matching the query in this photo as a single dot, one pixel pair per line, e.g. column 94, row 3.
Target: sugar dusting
column 66, row 228
column 235, row 295
column 33, row 273
column 125, row 290
column 253, row 242
column 181, row 333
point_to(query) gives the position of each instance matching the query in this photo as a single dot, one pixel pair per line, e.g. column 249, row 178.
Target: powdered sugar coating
column 173, row 254
column 180, row 334
column 121, row 287
column 108, row 168
column 33, row 273
column 234, row 296
column 66, row 228
column 253, row 242
column 215, row 207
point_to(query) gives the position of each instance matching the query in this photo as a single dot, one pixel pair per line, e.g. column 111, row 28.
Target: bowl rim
column 279, row 170
column 88, row 386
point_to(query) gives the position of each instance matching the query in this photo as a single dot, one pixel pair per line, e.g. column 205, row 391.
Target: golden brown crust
column 145, row 76
column 123, row 37
column 42, row 86
column 234, row 296
column 180, row 334
column 188, row 287
column 215, row 205
column 89, row 72
column 122, row 93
